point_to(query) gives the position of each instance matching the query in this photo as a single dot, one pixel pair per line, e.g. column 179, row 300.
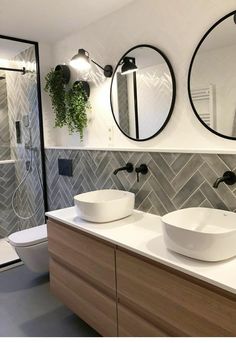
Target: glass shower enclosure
column 22, row 181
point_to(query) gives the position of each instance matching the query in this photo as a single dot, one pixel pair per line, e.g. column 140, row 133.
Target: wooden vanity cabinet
column 120, row 293
column 82, row 276
column 171, row 302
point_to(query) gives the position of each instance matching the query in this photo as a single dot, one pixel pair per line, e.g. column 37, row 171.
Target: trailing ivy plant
column 55, row 87
column 77, row 105
column 69, row 105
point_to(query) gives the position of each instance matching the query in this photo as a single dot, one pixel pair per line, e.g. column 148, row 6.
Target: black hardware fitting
column 108, row 70
column 128, row 167
column 142, row 169
column 23, row 70
column 228, row 177
column 28, row 166
column 65, row 70
column 18, row 132
column 65, row 167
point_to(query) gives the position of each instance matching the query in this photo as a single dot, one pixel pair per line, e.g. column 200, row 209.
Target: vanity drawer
column 177, row 305
column 132, row 325
column 91, row 305
column 86, row 256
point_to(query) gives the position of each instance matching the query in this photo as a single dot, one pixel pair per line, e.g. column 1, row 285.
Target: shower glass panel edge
column 24, row 169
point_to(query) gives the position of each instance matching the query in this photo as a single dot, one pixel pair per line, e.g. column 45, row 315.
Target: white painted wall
column 46, row 62
column 174, row 26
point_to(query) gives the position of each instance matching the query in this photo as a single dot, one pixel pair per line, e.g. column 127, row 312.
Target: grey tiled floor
column 27, row 308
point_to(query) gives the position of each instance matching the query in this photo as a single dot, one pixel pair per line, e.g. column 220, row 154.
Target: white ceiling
column 52, row 20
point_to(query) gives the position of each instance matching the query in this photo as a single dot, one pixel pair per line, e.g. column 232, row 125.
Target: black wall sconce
column 81, row 61
column 128, row 65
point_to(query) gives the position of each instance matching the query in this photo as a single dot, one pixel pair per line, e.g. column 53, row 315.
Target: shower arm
column 23, row 71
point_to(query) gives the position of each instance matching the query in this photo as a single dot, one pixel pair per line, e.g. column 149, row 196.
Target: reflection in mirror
column 142, row 92
column 212, row 78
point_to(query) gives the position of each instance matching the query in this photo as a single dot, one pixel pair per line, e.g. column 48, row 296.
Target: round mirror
column 142, row 92
column 212, row 78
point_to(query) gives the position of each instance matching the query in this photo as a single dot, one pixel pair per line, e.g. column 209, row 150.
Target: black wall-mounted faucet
column 142, row 169
column 228, row 177
column 128, row 167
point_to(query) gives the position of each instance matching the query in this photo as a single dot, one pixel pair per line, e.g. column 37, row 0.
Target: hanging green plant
column 55, row 87
column 77, row 105
column 69, row 105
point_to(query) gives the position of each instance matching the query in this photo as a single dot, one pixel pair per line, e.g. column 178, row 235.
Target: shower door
column 22, row 186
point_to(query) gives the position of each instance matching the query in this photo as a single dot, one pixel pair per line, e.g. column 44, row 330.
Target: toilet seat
column 29, row 237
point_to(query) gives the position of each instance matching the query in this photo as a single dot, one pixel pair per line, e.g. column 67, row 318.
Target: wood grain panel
column 94, row 307
column 132, row 325
column 87, row 256
column 178, row 306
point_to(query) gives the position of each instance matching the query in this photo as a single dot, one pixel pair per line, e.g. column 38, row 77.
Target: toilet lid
column 28, row 237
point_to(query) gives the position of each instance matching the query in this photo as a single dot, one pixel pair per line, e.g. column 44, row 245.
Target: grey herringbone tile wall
column 5, row 151
column 174, row 180
column 8, row 220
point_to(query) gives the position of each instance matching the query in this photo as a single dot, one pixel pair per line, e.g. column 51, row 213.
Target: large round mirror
column 142, row 92
column 212, row 78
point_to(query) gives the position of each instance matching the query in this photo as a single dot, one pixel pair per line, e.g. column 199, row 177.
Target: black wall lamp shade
column 128, row 65
column 82, row 59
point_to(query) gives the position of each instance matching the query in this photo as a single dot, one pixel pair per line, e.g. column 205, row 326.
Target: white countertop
column 142, row 234
column 217, row 150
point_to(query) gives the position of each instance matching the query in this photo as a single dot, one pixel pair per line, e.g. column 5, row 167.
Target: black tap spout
column 228, row 177
column 218, row 181
column 128, row 167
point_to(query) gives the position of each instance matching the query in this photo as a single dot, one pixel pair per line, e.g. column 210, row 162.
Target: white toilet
column 32, row 247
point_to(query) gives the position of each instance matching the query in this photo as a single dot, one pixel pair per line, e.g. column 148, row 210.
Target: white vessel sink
column 202, row 233
column 104, row 205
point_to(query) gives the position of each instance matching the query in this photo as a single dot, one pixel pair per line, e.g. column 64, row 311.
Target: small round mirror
column 212, row 78
column 142, row 92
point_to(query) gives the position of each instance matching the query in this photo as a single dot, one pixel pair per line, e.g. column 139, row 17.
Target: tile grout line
column 197, row 189
column 183, row 167
column 197, row 170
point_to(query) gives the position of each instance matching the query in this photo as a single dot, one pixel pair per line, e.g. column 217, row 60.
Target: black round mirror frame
column 189, row 76
column 173, row 90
